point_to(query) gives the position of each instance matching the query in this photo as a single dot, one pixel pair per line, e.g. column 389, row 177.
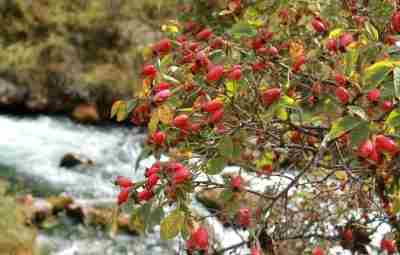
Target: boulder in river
column 86, row 113
column 71, row 160
column 11, row 94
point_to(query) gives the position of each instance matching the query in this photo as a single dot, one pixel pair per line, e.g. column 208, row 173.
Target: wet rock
column 41, row 210
column 60, row 203
column 86, row 113
column 71, row 160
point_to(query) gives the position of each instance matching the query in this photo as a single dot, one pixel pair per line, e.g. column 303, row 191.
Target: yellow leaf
column 119, row 109
column 296, row 49
column 165, row 114
column 170, row 28
column 153, row 123
column 144, row 90
column 147, row 53
column 341, row 175
column 335, row 33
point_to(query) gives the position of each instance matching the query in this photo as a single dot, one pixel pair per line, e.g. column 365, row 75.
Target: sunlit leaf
column 342, row 126
column 373, row 33
column 172, row 224
column 215, row 166
column 358, row 111
column 120, row 110
column 341, row 175
column 378, row 72
column 393, row 120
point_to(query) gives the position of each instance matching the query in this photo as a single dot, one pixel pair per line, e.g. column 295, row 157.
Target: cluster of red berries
column 372, row 149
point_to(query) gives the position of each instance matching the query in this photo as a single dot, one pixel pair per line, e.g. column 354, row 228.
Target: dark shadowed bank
column 73, row 57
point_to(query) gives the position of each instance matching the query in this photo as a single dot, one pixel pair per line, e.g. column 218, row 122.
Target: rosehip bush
column 302, row 96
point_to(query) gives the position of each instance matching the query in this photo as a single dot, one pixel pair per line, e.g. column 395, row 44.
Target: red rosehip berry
column 154, row 169
column 200, row 238
column 181, row 121
column 162, row 96
column 149, row 71
column 374, row 95
column 204, row 34
column 173, row 167
column 295, row 136
column 244, row 216
column 123, row 196
column 273, row 51
column 343, row 95
column 235, row 74
column 163, row 46
column 396, row 22
column 319, row 26
column 348, row 235
column 255, row 250
column 259, row 67
column 270, row 96
column 267, row 169
column 384, row 143
column 257, row 43
column 215, row 73
column 162, row 86
column 217, row 43
column 365, row 149
column 345, row 40
column 318, row 251
column 341, row 80
column 299, row 62
column 332, row 45
column 181, row 175
column 387, row 105
column 237, row 182
column 159, row 138
column 124, row 182
column 152, row 181
column 388, row 245
column 375, row 156
column 145, row 195
column 216, row 116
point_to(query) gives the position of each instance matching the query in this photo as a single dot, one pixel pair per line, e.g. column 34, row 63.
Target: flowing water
column 30, row 152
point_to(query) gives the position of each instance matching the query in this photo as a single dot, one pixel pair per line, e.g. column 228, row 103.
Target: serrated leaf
column 378, row 72
column 342, row 126
column 358, row 111
column 396, row 82
column 243, row 29
column 172, row 224
column 215, row 166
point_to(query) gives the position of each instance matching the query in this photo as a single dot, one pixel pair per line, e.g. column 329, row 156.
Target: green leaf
column 156, row 215
column 372, row 32
column 137, row 221
column 226, row 147
column 358, row 111
column 396, row 74
column 350, row 61
column 378, row 72
column 215, row 166
column 342, row 126
column 359, row 134
column 172, row 224
column 243, row 29
column 226, row 195
column 393, row 120
column 131, row 104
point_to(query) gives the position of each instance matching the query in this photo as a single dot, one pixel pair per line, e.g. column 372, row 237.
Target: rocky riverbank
column 74, row 57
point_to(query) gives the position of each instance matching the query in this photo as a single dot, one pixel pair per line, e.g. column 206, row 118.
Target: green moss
column 93, row 43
